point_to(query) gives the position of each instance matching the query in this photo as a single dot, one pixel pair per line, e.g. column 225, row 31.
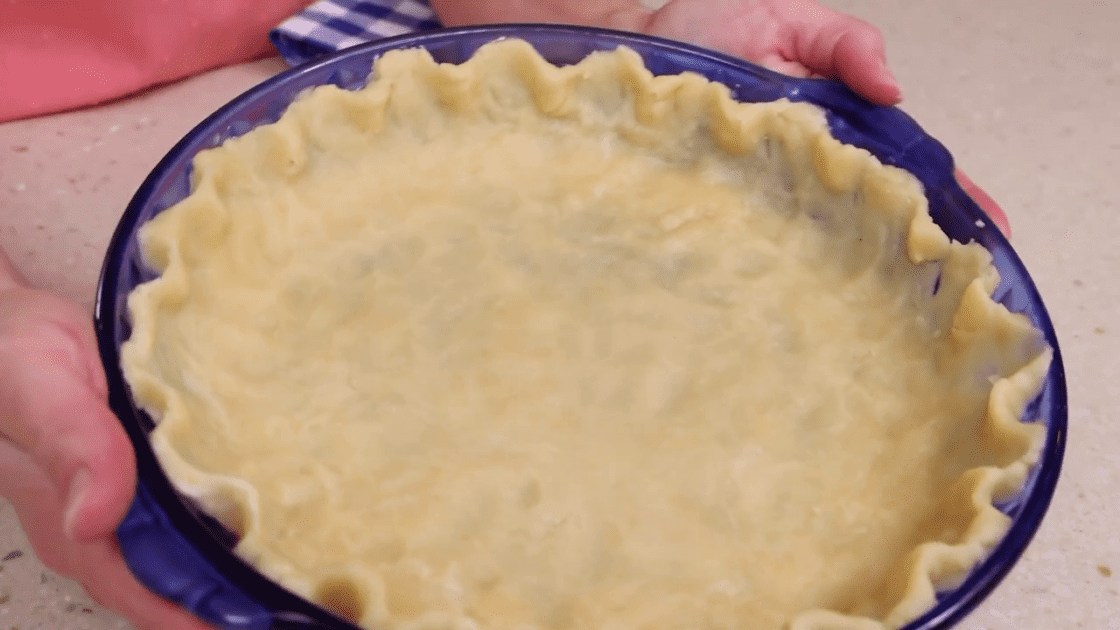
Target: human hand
column 986, row 203
column 66, row 464
column 797, row 37
column 800, row 38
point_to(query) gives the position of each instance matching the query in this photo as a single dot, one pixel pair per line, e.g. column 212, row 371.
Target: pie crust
column 508, row 345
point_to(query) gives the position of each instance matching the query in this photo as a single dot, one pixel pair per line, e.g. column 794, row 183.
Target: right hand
column 797, row 37
column 985, row 201
column 66, row 464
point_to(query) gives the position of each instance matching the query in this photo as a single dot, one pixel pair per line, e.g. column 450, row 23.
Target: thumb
column 985, row 201
column 836, row 45
column 50, row 410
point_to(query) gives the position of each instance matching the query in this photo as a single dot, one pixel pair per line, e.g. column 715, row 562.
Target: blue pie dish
column 185, row 556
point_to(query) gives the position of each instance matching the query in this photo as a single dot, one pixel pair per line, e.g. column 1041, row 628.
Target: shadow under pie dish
column 654, row 499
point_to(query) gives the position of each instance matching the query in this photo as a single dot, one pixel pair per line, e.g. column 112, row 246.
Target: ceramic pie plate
column 183, row 555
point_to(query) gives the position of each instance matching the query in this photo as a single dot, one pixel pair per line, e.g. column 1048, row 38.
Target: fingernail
column 75, row 499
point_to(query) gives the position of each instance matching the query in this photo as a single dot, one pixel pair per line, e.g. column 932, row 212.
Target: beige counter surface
column 1023, row 92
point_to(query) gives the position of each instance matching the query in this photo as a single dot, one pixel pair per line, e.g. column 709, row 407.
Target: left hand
column 797, row 37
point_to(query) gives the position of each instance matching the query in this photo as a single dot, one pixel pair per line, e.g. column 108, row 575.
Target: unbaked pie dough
column 509, row 346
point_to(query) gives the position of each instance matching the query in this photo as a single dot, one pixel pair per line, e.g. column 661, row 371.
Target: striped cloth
column 330, row 25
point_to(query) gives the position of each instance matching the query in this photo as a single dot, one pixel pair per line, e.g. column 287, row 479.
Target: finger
column 49, row 410
column 77, row 441
column 841, row 46
column 778, row 63
column 26, row 312
column 98, row 565
column 985, row 201
column 37, row 503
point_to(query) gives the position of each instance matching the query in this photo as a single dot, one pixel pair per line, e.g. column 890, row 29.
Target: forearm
column 630, row 15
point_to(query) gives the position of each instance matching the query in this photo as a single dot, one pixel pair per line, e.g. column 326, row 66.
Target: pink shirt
column 58, row 54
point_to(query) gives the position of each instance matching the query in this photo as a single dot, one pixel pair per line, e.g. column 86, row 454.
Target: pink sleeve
column 62, row 55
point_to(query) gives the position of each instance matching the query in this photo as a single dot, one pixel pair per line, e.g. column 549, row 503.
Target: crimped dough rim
column 962, row 310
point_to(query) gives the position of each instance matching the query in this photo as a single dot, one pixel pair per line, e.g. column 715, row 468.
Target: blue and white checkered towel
column 330, row 25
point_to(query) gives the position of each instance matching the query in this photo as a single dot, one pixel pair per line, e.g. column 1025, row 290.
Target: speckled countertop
column 1024, row 92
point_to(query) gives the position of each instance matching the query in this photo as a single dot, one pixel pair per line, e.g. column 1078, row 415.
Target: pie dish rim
column 208, row 590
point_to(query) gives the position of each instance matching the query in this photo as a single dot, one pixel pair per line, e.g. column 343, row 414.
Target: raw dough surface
column 510, row 346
